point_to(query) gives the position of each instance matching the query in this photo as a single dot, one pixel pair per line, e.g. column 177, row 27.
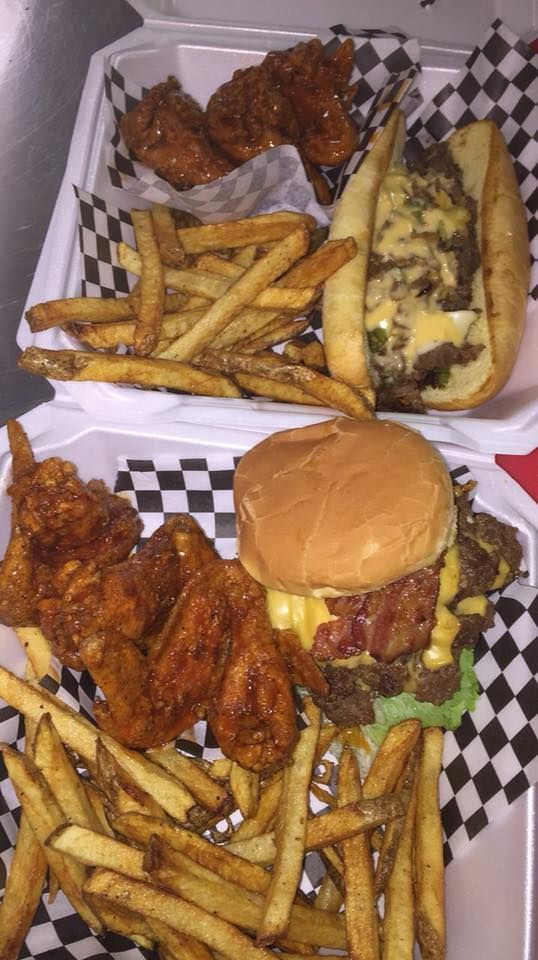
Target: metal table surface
column 45, row 48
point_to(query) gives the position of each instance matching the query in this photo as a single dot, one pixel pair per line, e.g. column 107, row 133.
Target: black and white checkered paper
column 488, row 762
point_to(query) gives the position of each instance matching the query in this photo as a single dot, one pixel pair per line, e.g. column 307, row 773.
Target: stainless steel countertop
column 45, row 47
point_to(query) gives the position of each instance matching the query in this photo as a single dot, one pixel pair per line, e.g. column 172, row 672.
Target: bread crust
column 500, row 287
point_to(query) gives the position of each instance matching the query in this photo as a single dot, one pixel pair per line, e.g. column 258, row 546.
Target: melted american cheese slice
column 302, row 614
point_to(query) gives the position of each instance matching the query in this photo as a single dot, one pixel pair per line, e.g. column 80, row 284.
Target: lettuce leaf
column 391, row 710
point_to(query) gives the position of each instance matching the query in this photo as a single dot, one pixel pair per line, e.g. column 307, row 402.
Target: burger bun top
column 341, row 507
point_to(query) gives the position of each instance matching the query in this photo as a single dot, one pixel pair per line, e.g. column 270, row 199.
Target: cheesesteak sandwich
column 430, row 312
column 376, row 561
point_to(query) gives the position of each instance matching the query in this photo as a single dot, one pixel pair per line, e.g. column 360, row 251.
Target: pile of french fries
column 135, row 841
column 208, row 305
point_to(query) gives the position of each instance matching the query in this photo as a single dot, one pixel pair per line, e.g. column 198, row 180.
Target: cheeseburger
column 376, row 561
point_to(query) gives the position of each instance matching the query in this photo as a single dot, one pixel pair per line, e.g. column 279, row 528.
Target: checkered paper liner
column 384, row 63
column 488, row 762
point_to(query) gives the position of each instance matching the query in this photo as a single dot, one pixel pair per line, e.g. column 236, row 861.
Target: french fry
column 325, row 829
column 22, row 893
column 37, row 649
column 44, row 816
column 290, row 836
column 330, row 392
column 328, row 733
column 429, row 870
column 393, row 830
column 151, row 290
column 55, row 313
column 123, row 794
column 22, row 455
column 273, row 333
column 230, row 902
column 391, row 758
column 311, row 354
column 399, row 915
column 97, row 850
column 125, row 922
column 243, row 292
column 51, row 759
column 245, row 787
column 74, row 365
column 320, row 265
column 206, row 791
column 264, row 816
column 328, row 896
column 110, row 335
column 273, row 390
column 154, row 904
column 243, row 233
column 245, row 256
column 81, row 737
column 96, row 799
column 360, row 910
column 178, row 946
column 171, row 252
column 220, row 768
column 209, row 285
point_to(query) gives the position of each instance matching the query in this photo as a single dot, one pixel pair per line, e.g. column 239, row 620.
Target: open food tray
column 203, row 55
column 491, row 900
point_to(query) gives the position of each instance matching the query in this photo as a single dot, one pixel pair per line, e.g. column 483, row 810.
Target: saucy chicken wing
column 167, row 131
column 216, row 657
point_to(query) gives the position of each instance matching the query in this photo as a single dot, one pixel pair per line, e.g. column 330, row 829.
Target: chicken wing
column 167, row 131
column 216, row 657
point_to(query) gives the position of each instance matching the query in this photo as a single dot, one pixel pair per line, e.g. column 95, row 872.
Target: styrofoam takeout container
column 203, row 54
column 490, row 887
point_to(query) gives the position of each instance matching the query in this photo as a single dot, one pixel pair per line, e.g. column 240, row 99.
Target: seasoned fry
column 81, row 737
column 153, row 904
column 311, row 354
column 273, row 389
column 399, row 916
column 429, row 870
column 330, row 392
column 243, row 233
column 360, row 910
column 328, row 896
column 123, row 794
column 113, row 368
column 205, row 790
column 275, row 332
column 245, row 787
column 111, row 335
column 393, row 830
column 151, row 290
column 44, row 816
column 230, row 902
column 22, row 893
column 171, row 252
column 391, row 758
column 290, row 836
column 248, row 323
column 55, row 313
column 264, row 816
column 213, row 287
column 318, row 266
column 51, row 759
column 327, row 828
column 36, row 648
column 243, row 292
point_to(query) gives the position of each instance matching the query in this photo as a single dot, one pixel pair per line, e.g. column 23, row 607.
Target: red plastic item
column 522, row 469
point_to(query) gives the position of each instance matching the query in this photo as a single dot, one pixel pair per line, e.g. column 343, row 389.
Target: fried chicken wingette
column 130, row 599
column 216, row 657
column 58, row 523
column 167, row 131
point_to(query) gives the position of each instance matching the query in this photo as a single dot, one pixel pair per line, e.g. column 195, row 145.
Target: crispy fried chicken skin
column 216, row 657
column 295, row 96
column 170, row 634
column 167, row 131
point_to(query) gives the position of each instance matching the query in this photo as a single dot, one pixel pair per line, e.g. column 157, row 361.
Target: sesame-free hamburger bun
column 341, row 507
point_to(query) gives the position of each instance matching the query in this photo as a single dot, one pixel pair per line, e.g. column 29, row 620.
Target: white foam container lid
column 203, row 54
column 490, row 889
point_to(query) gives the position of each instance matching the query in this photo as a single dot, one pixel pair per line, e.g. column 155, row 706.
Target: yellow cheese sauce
column 302, row 614
column 404, row 303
